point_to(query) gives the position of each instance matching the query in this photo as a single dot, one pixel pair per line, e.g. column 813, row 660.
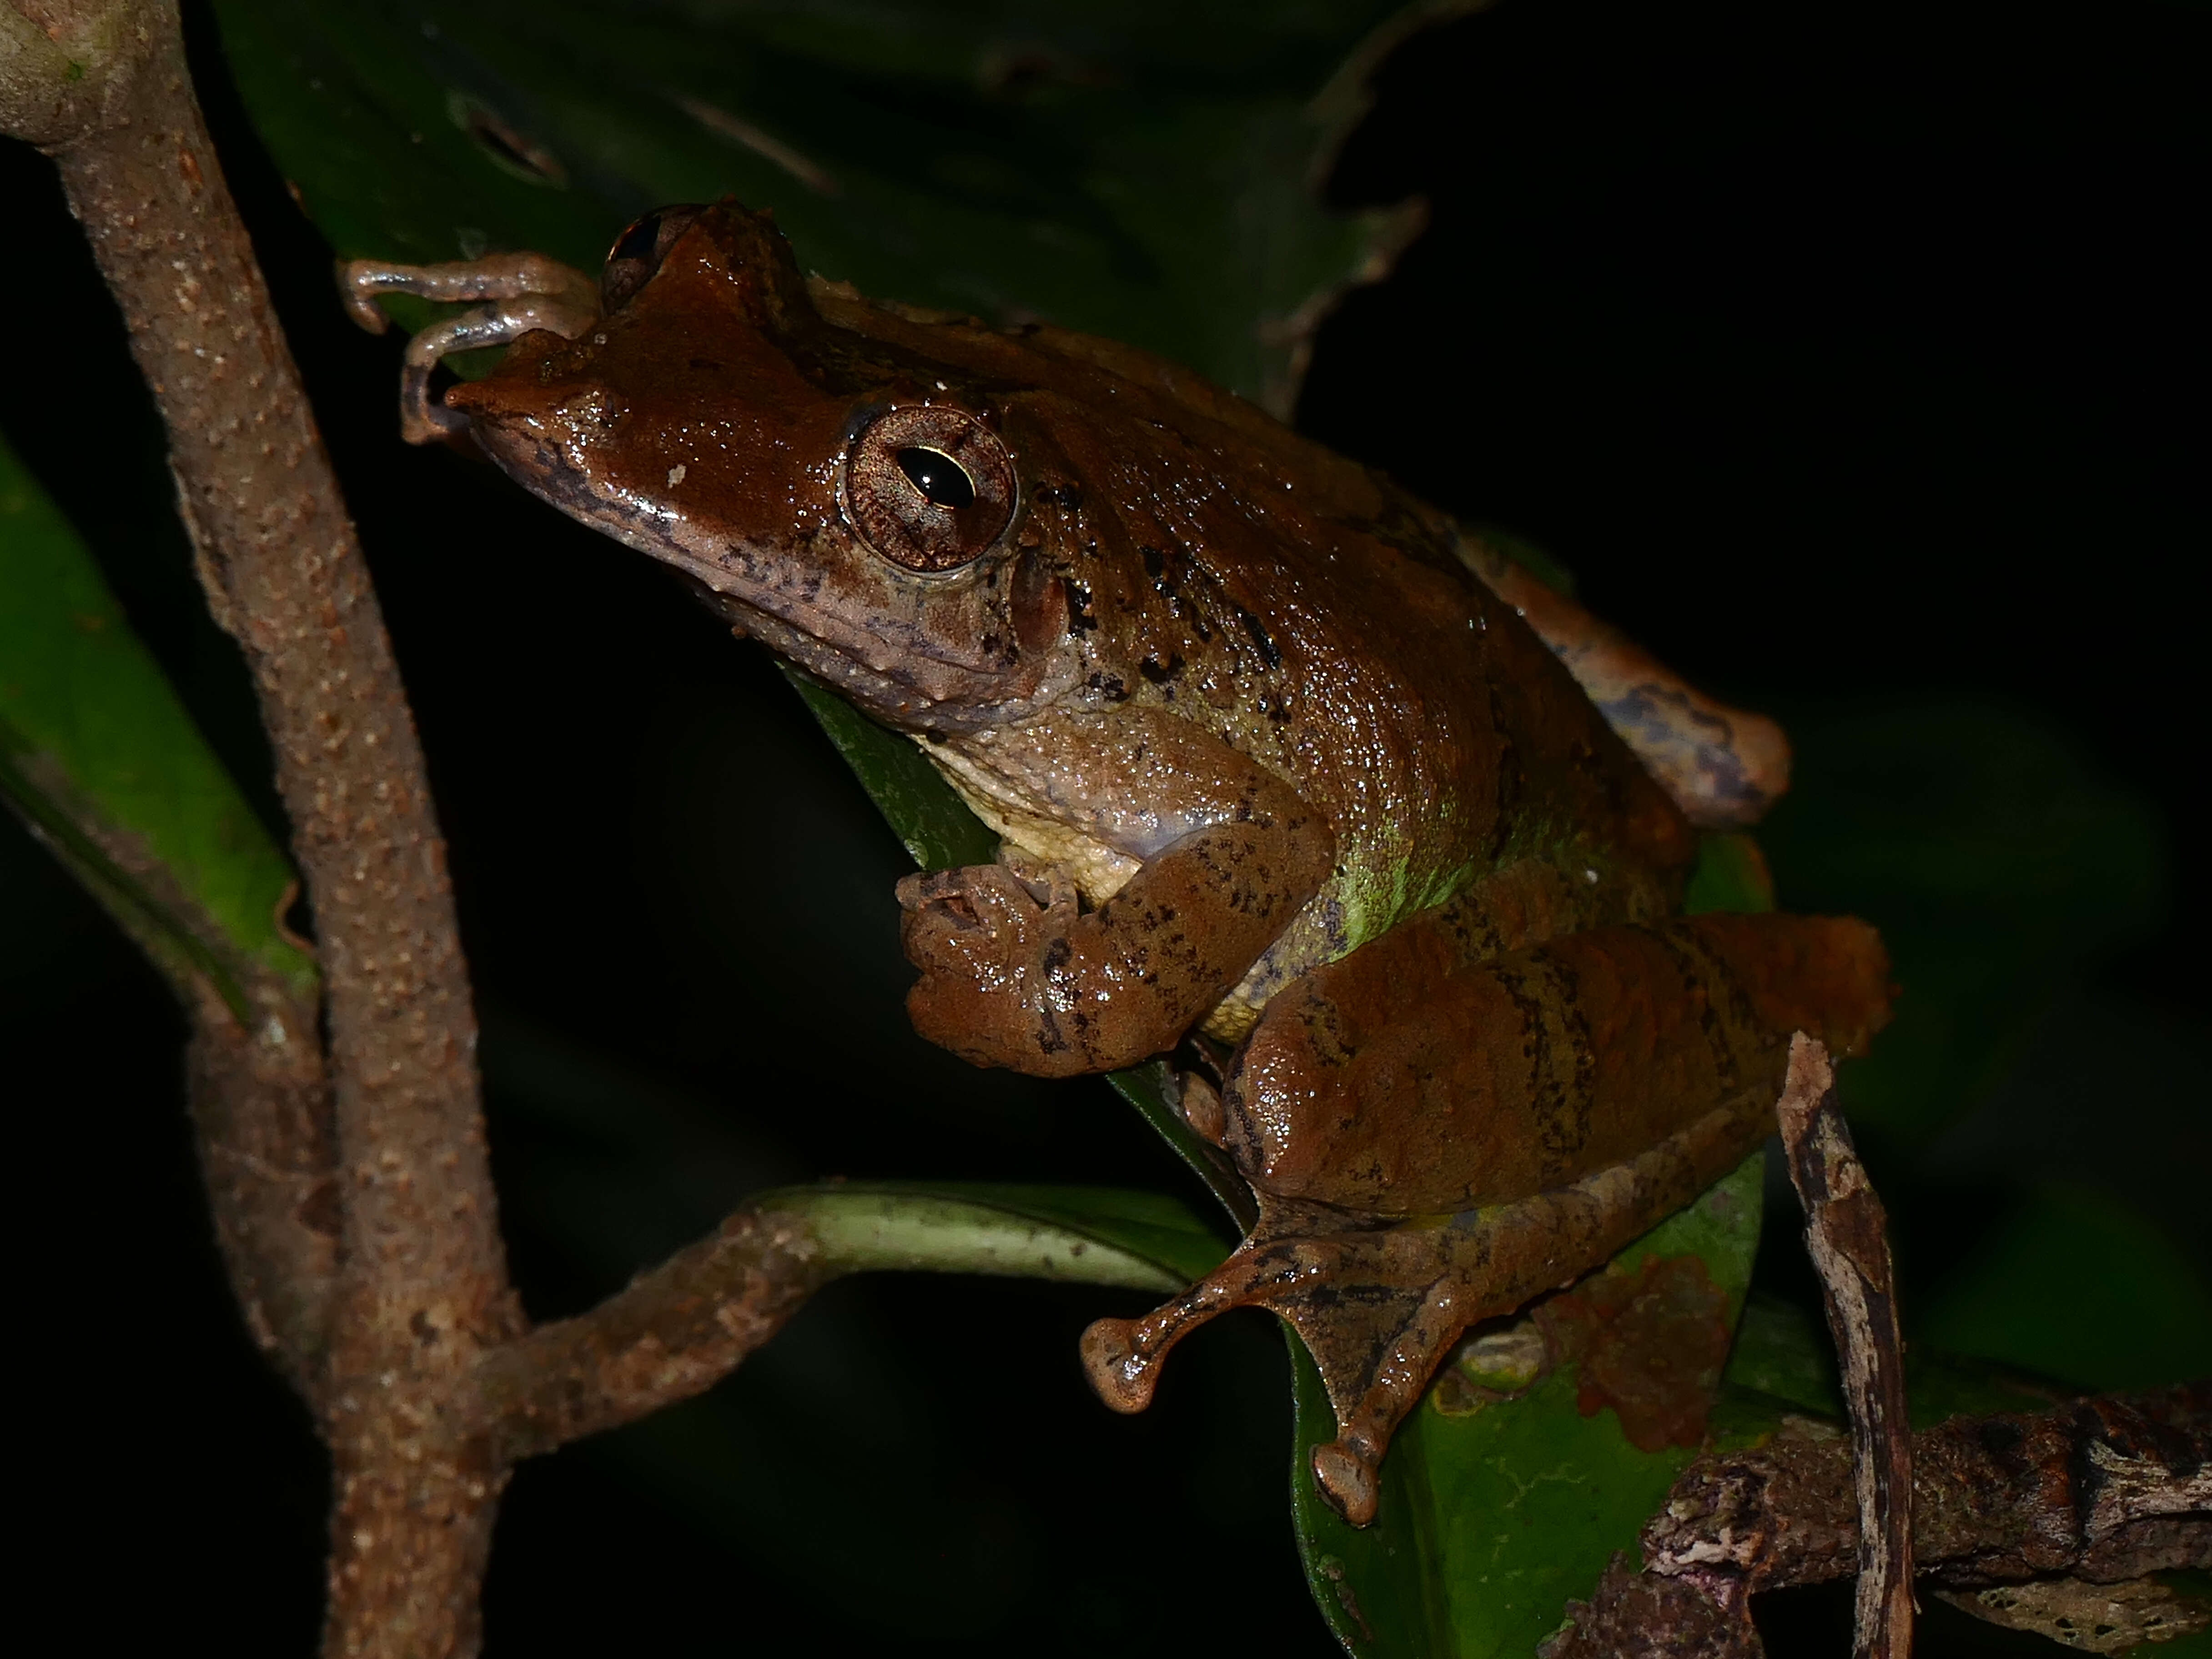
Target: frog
column 1379, row 840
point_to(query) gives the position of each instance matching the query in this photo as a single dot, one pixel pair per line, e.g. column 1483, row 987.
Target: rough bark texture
column 261, row 1112
column 1638, row 1615
column 2101, row 1491
column 422, row 1288
column 2094, row 1617
column 1847, row 1235
column 675, row 1332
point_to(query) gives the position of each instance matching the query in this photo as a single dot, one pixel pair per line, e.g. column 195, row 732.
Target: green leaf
column 1782, row 1352
column 939, row 830
column 1782, row 1361
column 1492, row 1519
column 2071, row 1283
column 1730, row 874
column 1144, row 171
column 1994, row 861
column 100, row 758
column 1084, row 1235
column 2195, row 1586
column 1145, row 1088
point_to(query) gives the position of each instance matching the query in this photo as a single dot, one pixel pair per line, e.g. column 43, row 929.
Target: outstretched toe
column 1347, row 1480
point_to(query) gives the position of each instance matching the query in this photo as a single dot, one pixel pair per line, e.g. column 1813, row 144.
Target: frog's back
column 1325, row 624
column 1315, row 617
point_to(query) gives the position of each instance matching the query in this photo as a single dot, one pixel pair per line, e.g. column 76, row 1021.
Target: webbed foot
column 1379, row 1302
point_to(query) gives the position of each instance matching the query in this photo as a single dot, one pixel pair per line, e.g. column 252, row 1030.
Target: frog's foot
column 529, row 292
column 1378, row 1301
column 984, row 937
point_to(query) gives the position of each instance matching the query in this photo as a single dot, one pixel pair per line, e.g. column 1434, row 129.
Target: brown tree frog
column 1288, row 769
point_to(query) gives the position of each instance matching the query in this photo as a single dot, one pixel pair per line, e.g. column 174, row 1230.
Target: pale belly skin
column 1292, row 777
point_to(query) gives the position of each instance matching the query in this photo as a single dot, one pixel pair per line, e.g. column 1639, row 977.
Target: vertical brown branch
column 1846, row 1232
column 422, row 1286
column 261, row 1114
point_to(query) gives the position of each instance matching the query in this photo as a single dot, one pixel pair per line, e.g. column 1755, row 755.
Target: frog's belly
column 1099, row 872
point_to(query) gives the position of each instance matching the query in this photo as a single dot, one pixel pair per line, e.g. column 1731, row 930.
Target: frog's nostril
column 595, row 409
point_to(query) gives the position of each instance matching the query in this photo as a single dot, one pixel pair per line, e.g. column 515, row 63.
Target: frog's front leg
column 1016, row 972
column 530, row 292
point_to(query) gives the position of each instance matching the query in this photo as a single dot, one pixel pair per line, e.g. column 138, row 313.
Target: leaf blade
column 1078, row 1235
column 99, row 754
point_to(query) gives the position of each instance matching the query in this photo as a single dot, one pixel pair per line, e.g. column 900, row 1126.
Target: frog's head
column 849, row 501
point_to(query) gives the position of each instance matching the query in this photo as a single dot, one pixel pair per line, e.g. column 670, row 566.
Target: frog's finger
column 499, row 277
column 528, row 291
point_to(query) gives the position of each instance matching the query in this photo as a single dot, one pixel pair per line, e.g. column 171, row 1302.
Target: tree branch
column 422, row 1288
column 2104, row 1491
column 677, row 1330
column 261, row 1115
column 1847, row 1235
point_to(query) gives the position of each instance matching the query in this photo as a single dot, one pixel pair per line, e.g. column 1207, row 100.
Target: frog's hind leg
column 1724, row 767
column 1378, row 1304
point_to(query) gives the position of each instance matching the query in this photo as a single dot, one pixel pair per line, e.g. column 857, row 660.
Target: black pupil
column 937, row 476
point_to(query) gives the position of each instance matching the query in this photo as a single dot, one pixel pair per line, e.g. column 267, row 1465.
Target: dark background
column 1849, row 357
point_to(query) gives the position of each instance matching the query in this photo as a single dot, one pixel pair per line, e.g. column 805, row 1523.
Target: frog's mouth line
column 877, row 670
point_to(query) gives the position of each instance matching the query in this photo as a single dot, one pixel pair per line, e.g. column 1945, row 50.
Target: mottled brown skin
column 1268, row 761
column 1529, row 1070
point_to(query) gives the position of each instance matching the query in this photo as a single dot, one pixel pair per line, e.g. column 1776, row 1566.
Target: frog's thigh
column 1405, row 1079
column 1378, row 1304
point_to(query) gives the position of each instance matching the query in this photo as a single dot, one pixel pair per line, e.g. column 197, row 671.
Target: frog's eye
column 928, row 489
column 638, row 251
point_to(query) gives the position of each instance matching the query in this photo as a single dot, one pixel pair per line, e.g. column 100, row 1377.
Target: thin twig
column 1846, row 1233
column 676, row 1331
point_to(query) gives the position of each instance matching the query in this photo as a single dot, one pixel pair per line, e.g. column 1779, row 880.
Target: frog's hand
column 528, row 290
column 1413, row 1077
column 1724, row 767
column 1014, row 973
column 1379, row 1305
column 1012, row 978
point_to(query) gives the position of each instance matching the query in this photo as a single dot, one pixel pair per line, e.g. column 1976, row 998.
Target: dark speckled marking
column 1261, row 638
column 1079, row 618
column 1703, row 971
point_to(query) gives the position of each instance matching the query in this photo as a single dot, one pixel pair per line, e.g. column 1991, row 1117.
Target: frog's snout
column 561, row 408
